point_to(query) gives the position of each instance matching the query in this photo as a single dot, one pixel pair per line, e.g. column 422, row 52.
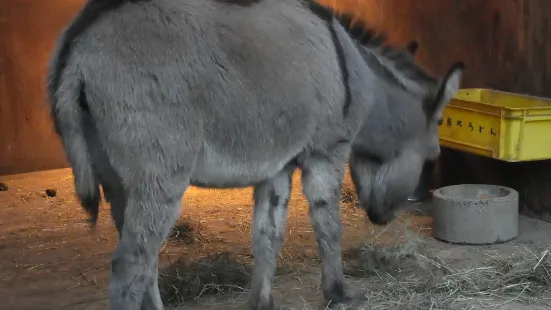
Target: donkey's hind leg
column 270, row 212
column 152, row 207
column 117, row 199
column 152, row 297
column 322, row 180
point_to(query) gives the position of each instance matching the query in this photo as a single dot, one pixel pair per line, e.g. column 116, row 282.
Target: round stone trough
column 475, row 214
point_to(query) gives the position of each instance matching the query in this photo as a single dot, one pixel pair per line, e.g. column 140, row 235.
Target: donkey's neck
column 376, row 91
column 399, row 96
column 391, row 120
column 395, row 113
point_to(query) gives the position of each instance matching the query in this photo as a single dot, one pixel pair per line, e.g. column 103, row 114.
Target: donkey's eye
column 440, row 121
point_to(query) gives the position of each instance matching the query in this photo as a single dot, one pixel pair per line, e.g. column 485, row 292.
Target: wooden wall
column 504, row 44
column 28, row 29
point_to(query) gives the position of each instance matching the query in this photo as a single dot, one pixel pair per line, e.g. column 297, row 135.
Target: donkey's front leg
column 321, row 180
column 270, row 212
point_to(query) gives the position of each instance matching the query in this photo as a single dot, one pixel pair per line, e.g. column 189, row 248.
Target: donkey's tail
column 69, row 106
column 69, row 115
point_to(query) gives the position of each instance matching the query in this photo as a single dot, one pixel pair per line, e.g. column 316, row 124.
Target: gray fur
column 270, row 211
column 175, row 93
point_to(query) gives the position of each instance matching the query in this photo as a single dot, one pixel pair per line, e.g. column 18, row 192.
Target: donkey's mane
column 239, row 2
column 397, row 63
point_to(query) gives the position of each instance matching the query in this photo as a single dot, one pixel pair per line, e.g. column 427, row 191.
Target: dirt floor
column 49, row 259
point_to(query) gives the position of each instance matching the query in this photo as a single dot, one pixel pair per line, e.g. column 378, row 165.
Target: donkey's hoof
column 340, row 294
column 269, row 304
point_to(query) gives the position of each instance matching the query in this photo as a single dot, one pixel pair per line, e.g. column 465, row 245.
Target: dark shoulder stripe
column 89, row 13
column 321, row 11
column 239, row 2
column 327, row 15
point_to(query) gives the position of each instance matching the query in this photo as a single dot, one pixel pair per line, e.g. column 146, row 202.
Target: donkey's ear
column 412, row 47
column 447, row 89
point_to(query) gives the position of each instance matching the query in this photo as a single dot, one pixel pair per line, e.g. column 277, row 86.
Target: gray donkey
column 152, row 96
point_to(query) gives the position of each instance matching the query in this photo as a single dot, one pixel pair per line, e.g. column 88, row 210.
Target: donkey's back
column 247, row 86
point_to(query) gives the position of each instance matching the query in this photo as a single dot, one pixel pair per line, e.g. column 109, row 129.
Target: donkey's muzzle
column 380, row 218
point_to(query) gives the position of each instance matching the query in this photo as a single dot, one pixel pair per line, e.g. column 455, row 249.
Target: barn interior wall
column 28, row 29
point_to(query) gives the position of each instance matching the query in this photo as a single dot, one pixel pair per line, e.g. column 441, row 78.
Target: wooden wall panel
column 503, row 43
column 28, row 29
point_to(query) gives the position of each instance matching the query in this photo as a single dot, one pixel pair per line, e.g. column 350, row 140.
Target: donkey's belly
column 213, row 170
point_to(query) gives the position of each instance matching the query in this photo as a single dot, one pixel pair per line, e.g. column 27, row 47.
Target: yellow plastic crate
column 496, row 124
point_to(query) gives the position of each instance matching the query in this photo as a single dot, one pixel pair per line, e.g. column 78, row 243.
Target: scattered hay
column 500, row 280
column 191, row 231
column 409, row 277
column 528, row 274
column 348, row 195
column 215, row 274
column 393, row 248
column 371, row 259
column 244, row 227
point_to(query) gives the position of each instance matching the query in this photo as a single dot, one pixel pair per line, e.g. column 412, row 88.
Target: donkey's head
column 401, row 131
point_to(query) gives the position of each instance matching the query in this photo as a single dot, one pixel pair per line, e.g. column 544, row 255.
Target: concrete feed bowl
column 475, row 214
